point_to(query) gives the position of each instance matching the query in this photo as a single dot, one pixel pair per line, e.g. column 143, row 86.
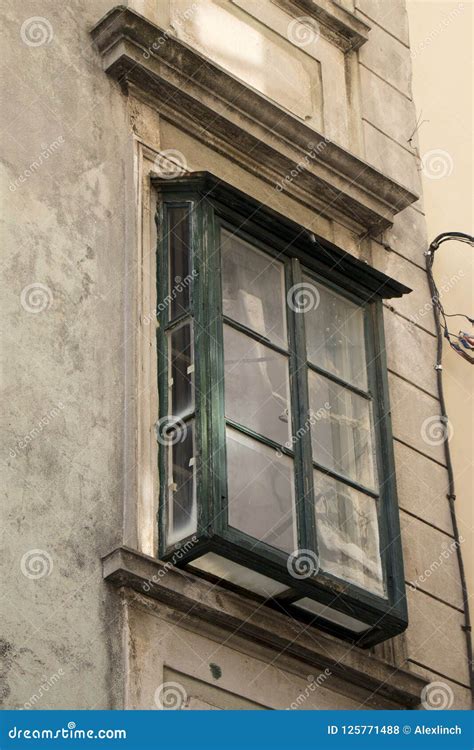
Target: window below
column 275, row 455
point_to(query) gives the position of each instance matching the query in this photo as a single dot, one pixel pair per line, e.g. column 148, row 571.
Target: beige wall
column 80, row 235
column 442, row 53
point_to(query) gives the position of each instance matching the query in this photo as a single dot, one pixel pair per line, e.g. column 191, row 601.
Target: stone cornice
column 221, row 111
column 338, row 24
column 216, row 606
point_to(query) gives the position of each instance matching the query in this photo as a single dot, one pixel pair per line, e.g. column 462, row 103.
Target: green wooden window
column 275, row 449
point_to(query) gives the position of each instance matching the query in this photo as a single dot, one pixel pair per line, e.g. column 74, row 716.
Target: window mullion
column 209, row 372
column 388, row 516
column 301, row 426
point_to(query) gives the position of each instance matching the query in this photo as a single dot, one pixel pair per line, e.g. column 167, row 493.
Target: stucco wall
column 65, row 170
column 80, row 225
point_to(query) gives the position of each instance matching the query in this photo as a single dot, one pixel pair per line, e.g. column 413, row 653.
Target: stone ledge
column 341, row 26
column 186, row 592
column 221, row 111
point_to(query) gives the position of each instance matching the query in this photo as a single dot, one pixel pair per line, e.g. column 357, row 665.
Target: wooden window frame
column 214, row 205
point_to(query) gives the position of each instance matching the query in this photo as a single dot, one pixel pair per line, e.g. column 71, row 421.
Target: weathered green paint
column 215, row 206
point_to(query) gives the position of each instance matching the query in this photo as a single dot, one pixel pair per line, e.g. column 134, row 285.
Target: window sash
column 304, row 463
column 205, row 295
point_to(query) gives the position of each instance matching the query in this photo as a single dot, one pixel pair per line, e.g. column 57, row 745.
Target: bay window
column 275, row 450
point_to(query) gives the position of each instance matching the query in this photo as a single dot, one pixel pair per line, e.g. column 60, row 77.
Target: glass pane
column 333, row 615
column 181, row 507
column 261, row 494
column 348, row 534
column 231, row 571
column 181, row 370
column 342, row 433
column 256, row 386
column 253, row 289
column 179, row 260
column 335, row 338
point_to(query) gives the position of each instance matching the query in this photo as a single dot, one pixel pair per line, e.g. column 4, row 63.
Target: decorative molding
column 216, row 606
column 337, row 24
column 221, row 111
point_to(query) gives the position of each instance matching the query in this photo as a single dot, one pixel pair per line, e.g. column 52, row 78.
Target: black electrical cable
column 451, row 496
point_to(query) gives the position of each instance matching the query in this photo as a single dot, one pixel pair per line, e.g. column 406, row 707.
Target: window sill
column 214, row 605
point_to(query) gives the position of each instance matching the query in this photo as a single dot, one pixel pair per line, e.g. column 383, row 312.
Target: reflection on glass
column 256, row 386
column 253, row 289
column 261, row 492
column 342, row 434
column 181, row 516
column 179, row 259
column 333, row 615
column 231, row 571
column 335, row 335
column 181, row 370
column 348, row 534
